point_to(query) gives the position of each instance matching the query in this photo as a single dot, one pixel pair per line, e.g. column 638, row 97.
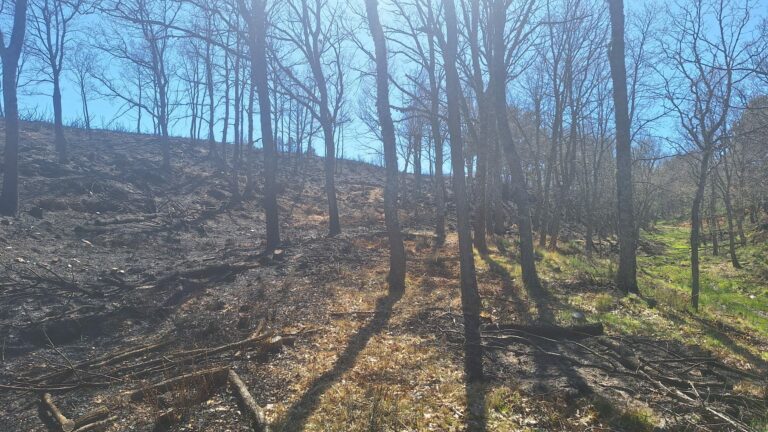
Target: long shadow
column 544, row 364
column 508, row 291
column 719, row 330
column 298, row 414
column 476, row 420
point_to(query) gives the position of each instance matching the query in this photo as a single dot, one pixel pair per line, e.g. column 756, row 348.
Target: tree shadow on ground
column 508, row 291
column 545, row 365
column 720, row 331
column 297, row 415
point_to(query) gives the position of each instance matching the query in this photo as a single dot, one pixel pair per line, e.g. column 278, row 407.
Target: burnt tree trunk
column 211, row 99
column 58, row 120
column 257, row 31
column 9, row 200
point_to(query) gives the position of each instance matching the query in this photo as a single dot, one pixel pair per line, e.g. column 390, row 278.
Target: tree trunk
column 714, row 228
column 225, row 120
column 58, row 121
column 9, row 200
column 417, row 162
column 626, row 277
column 437, row 137
column 9, row 204
column 397, row 264
column 696, row 228
column 726, row 189
column 334, row 225
column 470, row 299
column 86, row 112
column 520, row 192
column 211, row 102
column 257, row 40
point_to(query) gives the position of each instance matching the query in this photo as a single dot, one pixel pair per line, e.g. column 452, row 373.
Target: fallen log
column 64, row 423
column 258, row 419
column 125, row 220
column 209, row 271
column 549, row 331
column 97, row 426
column 211, row 378
column 94, row 416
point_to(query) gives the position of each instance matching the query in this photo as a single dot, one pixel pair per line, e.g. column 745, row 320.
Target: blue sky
column 35, row 101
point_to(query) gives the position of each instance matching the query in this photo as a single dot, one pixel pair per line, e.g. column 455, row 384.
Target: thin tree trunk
column 470, row 299
column 437, row 137
column 257, row 40
column 417, row 162
column 725, row 187
column 520, row 192
column 696, row 228
column 397, row 263
column 714, row 228
column 334, row 224
column 225, row 120
column 58, row 121
column 211, row 102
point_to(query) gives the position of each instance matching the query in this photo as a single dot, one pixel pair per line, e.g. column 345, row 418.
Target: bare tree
column 470, row 299
column 626, row 277
column 256, row 21
column 152, row 23
column 82, row 67
column 498, row 85
column 705, row 50
column 313, row 29
column 396, row 249
column 10, row 53
column 417, row 41
column 51, row 25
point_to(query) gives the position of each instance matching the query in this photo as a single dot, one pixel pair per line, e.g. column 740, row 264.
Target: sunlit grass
column 739, row 295
column 735, row 297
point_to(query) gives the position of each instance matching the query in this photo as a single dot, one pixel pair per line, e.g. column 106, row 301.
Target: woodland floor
column 129, row 278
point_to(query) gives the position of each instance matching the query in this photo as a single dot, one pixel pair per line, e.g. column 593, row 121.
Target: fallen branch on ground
column 258, row 420
column 211, row 378
column 550, row 331
column 97, row 426
column 64, row 423
column 94, row 416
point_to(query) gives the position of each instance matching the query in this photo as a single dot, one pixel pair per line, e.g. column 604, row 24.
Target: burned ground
column 116, row 277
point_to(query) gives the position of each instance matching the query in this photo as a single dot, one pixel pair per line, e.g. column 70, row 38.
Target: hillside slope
column 115, row 278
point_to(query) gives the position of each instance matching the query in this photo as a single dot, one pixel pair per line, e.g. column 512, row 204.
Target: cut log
column 550, row 331
column 64, row 423
column 210, row 378
column 258, row 419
